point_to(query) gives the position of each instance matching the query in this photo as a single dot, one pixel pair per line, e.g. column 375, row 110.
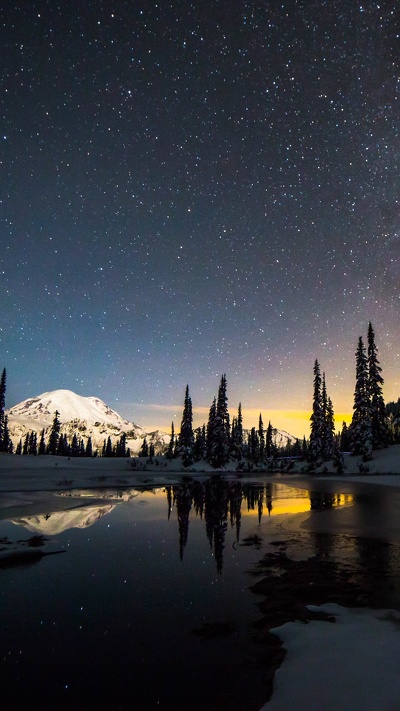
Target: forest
column 221, row 440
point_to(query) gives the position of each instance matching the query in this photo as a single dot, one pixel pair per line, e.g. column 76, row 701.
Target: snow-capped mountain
column 85, row 416
column 280, row 438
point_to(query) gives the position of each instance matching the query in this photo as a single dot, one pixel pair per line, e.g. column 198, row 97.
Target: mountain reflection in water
column 217, row 502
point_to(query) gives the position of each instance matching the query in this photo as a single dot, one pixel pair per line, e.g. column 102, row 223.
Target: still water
column 148, row 605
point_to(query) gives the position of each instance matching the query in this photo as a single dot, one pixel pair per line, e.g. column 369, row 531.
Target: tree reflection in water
column 220, row 503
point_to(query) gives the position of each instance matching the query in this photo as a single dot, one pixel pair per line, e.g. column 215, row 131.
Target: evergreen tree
column 2, row 408
column 199, row 443
column 144, row 450
column 75, row 450
column 32, row 446
column 237, row 434
column 42, row 443
column 7, row 441
column 261, row 437
column 63, row 448
column 317, row 418
column 328, row 428
column 219, row 439
column 109, row 448
column 360, row 428
column 379, row 426
column 210, row 429
column 269, row 441
column 19, row 447
column 89, row 448
column 253, row 446
column 345, row 443
column 25, row 449
column 186, row 438
column 171, row 446
column 121, row 446
column 54, row 434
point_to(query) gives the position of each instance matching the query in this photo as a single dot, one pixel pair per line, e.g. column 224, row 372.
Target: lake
column 148, row 605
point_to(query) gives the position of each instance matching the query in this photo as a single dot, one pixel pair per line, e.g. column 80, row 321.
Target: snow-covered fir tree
column 144, row 449
column 328, row 430
column 186, row 437
column 261, row 437
column 315, row 449
column 210, row 429
column 54, row 434
column 42, row 443
column 379, row 425
column 171, row 445
column 218, row 430
column 360, row 428
column 89, row 448
column 199, row 447
column 237, row 435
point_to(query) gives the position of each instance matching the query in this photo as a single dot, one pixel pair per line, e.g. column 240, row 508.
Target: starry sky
column 195, row 188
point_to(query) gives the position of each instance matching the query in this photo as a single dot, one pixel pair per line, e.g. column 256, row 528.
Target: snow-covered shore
column 348, row 665
column 36, row 473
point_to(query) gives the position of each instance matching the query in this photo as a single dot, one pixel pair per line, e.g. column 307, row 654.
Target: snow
column 70, row 406
column 85, row 416
column 351, row 664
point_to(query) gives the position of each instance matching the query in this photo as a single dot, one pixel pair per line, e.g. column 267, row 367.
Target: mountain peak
column 70, row 407
column 88, row 416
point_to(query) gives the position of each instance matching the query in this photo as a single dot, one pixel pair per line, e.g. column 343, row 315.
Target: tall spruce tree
column 89, row 448
column 360, row 428
column 236, row 440
column 379, row 425
column 317, row 418
column 329, row 436
column 144, row 449
column 269, row 441
column 54, row 436
column 218, row 428
column 221, row 428
column 261, row 437
column 42, row 443
column 7, row 441
column 186, row 438
column 171, row 446
column 210, row 429
column 328, row 423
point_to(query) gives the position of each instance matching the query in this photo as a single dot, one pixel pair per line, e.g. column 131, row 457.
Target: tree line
column 218, row 441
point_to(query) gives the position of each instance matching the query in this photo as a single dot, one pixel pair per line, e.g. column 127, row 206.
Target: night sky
column 197, row 188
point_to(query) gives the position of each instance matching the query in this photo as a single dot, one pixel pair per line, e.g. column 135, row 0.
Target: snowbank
column 49, row 473
column 348, row 665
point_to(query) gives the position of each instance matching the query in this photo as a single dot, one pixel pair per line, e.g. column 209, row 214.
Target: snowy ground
column 349, row 665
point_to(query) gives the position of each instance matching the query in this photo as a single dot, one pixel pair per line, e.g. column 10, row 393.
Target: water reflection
column 219, row 502
column 51, row 524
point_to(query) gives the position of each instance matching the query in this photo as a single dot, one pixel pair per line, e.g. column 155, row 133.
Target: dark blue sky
column 197, row 188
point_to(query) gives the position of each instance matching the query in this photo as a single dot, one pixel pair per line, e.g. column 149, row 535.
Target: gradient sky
column 197, row 188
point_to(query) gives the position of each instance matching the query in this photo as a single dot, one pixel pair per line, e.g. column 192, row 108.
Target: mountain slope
column 87, row 416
